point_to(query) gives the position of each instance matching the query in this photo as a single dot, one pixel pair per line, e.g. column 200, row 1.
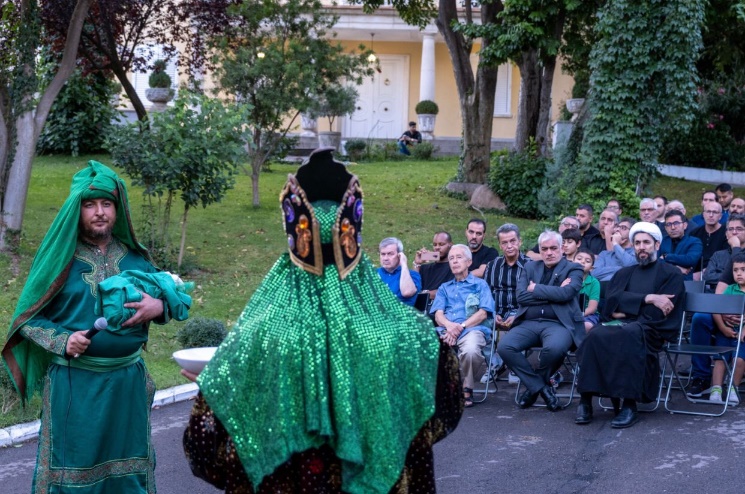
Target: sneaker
column 494, row 374
column 698, row 387
column 716, row 394
column 556, row 379
column 512, row 378
column 734, row 399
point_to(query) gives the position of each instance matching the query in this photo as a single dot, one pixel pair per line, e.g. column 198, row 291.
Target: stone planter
column 159, row 97
column 427, row 125
column 329, row 139
column 309, row 125
column 574, row 105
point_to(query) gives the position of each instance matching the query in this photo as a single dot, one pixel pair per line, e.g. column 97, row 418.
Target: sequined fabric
column 212, row 455
column 316, row 361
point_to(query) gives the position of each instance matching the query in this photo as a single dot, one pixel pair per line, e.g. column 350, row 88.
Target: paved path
column 498, row 448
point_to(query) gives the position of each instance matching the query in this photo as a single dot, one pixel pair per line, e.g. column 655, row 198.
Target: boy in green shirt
column 727, row 336
column 589, row 295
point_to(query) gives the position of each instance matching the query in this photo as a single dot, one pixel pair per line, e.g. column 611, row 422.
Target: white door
column 383, row 102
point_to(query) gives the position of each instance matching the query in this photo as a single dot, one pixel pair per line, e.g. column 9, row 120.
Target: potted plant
column 159, row 92
column 427, row 111
column 336, row 101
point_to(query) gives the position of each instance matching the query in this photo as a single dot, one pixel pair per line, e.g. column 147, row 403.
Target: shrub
column 516, row 178
column 423, row 151
column 159, row 78
column 80, row 117
column 427, row 107
column 201, row 332
column 355, row 149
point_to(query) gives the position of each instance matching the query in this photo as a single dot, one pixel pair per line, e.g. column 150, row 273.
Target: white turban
column 646, row 227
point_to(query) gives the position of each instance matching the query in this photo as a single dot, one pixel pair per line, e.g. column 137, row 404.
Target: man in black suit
column 548, row 316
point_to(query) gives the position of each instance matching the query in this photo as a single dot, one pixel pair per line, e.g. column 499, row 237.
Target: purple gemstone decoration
column 296, row 199
column 359, row 238
column 289, row 211
column 291, row 242
column 350, row 200
column 358, row 210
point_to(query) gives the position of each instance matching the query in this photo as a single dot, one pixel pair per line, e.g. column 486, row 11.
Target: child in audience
column 727, row 336
column 571, row 241
column 589, row 295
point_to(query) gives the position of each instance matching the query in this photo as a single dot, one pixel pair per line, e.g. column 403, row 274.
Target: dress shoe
column 549, row 396
column 527, row 399
column 626, row 418
column 584, row 414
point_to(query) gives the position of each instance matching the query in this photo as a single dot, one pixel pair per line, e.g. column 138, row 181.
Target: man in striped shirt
column 502, row 273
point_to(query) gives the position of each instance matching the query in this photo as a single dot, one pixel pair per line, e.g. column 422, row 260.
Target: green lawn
column 232, row 245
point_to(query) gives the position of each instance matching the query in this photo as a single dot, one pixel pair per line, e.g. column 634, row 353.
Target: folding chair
column 707, row 303
column 422, row 302
column 489, row 366
column 694, row 286
column 570, row 365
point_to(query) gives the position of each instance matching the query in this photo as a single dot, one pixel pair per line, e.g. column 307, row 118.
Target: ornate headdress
column 323, row 178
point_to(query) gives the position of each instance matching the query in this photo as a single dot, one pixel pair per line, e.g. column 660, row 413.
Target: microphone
column 100, row 324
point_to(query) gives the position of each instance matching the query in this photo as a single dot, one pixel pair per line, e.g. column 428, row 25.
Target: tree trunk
column 544, row 114
column 256, row 165
column 530, row 99
column 28, row 127
column 130, row 91
column 183, row 238
column 476, row 94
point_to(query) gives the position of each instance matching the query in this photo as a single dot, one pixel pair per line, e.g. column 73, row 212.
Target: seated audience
column 662, row 207
column 717, row 274
column 643, row 308
column 725, row 195
column 570, row 243
column 679, row 249
column 712, row 234
column 394, row 271
column 621, row 255
column 548, row 317
column 648, row 210
column 481, row 253
column 727, row 336
column 435, row 273
column 615, row 206
column 589, row 294
column 607, row 225
column 462, row 309
column 737, row 206
column 566, row 223
column 591, row 238
column 707, row 198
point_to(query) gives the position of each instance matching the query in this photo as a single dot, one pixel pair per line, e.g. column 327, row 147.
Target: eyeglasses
column 623, row 227
column 712, row 212
column 673, row 224
column 647, row 210
column 736, row 229
column 568, row 224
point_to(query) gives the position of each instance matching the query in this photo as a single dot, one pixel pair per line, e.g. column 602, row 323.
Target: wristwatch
column 463, row 326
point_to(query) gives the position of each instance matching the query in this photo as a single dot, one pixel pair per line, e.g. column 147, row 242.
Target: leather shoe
column 548, row 395
column 584, row 414
column 527, row 399
column 626, row 418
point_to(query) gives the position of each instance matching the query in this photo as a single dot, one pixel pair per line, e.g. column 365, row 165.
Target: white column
column 427, row 75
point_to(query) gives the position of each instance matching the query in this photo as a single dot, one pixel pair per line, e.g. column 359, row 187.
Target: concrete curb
column 17, row 434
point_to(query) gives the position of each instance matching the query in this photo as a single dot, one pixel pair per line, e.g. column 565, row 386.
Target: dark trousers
column 554, row 340
column 702, row 328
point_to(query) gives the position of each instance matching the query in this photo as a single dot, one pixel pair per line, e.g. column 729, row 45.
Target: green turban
column 26, row 361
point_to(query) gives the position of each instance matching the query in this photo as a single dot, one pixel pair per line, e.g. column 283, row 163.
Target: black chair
column 706, row 303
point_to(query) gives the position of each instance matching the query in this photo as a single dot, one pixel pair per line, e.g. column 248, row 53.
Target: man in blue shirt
column 463, row 310
column 394, row 271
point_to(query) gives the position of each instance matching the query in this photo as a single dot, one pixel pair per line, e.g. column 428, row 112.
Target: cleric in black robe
column 643, row 309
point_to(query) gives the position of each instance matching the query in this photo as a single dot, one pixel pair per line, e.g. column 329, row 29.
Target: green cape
column 26, row 361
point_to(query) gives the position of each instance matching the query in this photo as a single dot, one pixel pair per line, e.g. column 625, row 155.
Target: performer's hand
column 661, row 301
column 77, row 344
column 189, row 375
column 147, row 309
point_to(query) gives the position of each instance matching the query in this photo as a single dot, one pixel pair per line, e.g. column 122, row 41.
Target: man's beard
column 98, row 234
column 646, row 260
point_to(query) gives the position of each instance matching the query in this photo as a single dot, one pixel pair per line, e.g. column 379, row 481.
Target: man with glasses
column 679, row 249
column 717, row 275
column 615, row 206
column 648, row 210
column 712, row 235
column 621, row 254
column 706, row 198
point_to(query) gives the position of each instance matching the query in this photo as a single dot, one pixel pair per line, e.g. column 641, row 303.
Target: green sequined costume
column 321, row 363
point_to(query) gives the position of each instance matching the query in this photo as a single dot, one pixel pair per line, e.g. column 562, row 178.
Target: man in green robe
column 97, row 394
